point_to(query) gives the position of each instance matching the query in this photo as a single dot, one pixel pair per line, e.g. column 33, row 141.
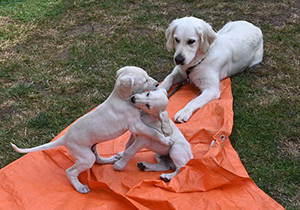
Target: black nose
column 179, row 59
column 133, row 99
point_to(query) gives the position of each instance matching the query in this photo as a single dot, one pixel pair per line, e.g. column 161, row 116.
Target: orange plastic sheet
column 214, row 179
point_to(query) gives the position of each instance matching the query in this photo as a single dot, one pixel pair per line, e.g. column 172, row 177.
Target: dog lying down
column 95, row 126
column 154, row 114
column 204, row 57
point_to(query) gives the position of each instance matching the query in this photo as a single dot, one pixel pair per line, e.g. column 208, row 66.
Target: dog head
column 155, row 103
column 133, row 80
column 190, row 37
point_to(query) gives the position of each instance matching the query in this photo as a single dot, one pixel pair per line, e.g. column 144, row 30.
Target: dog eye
column 148, row 94
column 148, row 106
column 177, row 40
column 146, row 81
column 191, row 41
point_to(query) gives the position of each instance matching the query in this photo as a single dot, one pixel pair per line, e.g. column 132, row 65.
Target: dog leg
column 167, row 177
column 129, row 153
column 101, row 160
column 180, row 154
column 84, row 160
column 176, row 76
column 130, row 141
column 206, row 96
column 258, row 56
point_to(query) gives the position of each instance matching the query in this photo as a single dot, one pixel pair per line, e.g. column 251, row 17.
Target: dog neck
column 190, row 69
column 188, row 81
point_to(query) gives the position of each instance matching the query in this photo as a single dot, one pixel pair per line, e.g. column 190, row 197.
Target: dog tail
column 50, row 145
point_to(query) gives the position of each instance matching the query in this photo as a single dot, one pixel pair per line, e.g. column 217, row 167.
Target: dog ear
column 207, row 37
column 165, row 123
column 169, row 35
column 124, row 86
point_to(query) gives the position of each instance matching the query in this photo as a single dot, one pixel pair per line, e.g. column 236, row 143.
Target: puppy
column 154, row 115
column 204, row 57
column 96, row 126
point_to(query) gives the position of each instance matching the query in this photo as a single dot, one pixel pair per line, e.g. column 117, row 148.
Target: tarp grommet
column 222, row 137
column 212, row 143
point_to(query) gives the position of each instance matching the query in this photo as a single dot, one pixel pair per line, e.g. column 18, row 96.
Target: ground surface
column 58, row 61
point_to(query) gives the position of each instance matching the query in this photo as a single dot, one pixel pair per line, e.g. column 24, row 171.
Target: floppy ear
column 169, row 35
column 124, row 87
column 207, row 37
column 165, row 123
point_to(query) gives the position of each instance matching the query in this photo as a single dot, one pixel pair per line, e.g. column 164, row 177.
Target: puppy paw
column 115, row 158
column 170, row 141
column 183, row 115
column 167, row 141
column 141, row 166
column 119, row 155
column 83, row 189
column 119, row 166
column 165, row 177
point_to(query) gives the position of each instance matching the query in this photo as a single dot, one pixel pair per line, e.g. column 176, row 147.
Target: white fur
column 109, row 120
column 153, row 104
column 235, row 47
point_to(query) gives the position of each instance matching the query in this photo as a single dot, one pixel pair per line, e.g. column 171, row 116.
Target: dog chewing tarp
column 214, row 179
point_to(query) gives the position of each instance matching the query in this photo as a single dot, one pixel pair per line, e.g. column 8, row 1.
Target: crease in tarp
column 214, row 179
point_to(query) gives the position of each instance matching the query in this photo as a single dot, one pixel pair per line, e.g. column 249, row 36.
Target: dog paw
column 83, row 189
column 141, row 166
column 165, row 177
column 119, row 155
column 115, row 158
column 183, row 115
column 167, row 141
column 119, row 166
column 170, row 141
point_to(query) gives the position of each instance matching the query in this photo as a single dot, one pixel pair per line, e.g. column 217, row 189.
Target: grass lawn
column 58, row 60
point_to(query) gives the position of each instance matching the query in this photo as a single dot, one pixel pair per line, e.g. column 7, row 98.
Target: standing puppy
column 109, row 120
column 204, row 57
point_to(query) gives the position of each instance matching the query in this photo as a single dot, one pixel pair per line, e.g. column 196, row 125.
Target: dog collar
column 190, row 69
column 188, row 81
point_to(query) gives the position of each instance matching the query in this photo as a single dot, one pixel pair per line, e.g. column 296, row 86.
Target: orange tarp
column 214, row 179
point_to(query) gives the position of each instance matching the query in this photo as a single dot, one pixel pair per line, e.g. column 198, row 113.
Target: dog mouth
column 133, row 99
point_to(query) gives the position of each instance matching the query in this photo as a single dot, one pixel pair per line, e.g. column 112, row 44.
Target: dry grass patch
column 13, row 32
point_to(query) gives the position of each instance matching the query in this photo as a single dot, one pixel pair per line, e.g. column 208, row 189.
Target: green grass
column 29, row 11
column 58, row 61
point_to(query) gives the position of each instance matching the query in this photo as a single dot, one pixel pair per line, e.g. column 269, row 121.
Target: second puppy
column 154, row 115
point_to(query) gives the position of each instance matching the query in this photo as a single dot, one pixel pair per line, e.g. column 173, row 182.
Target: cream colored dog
column 204, row 57
column 109, row 120
column 154, row 115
